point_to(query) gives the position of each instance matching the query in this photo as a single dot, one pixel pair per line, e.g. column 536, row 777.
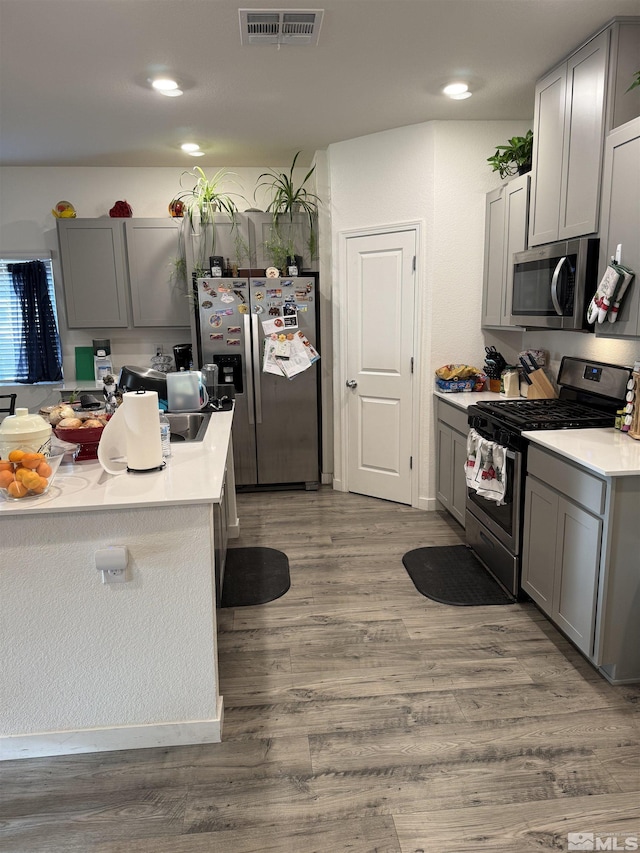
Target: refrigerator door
column 225, row 340
column 286, row 409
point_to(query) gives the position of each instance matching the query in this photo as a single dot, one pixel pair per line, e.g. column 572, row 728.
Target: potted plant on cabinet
column 288, row 199
column 201, row 203
column 514, row 158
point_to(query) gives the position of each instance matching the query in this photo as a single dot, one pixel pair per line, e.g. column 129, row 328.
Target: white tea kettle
column 131, row 439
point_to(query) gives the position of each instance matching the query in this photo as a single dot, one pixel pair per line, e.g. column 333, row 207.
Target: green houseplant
column 514, row 158
column 287, row 199
column 201, row 202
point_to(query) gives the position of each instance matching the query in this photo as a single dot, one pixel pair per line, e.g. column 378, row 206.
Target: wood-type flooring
column 360, row 717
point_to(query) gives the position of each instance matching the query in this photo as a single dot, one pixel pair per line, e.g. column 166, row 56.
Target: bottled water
column 165, row 434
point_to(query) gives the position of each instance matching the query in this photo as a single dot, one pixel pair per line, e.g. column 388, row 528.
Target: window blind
column 12, row 340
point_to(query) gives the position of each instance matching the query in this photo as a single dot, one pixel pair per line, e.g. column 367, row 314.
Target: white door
column 380, row 324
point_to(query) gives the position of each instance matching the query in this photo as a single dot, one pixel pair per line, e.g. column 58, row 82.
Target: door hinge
column 410, row 462
column 413, row 267
column 412, row 364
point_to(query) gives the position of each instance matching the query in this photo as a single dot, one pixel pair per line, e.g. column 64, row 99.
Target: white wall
column 437, row 173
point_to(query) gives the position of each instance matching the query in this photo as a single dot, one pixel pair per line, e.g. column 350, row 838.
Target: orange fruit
column 44, row 469
column 17, row 490
column 42, row 485
column 16, row 455
column 31, row 460
column 21, row 472
column 31, row 479
column 6, row 465
column 6, row 477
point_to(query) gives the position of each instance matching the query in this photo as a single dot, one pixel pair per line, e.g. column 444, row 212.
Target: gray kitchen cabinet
column 506, row 212
column 621, row 222
column 580, row 558
column 117, row 273
column 94, row 272
column 561, row 560
column 157, row 299
column 451, row 485
column 569, row 122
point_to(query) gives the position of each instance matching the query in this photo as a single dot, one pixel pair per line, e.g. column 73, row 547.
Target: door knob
column 351, row 383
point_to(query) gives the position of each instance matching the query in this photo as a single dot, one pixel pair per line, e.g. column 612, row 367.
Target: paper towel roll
column 131, row 439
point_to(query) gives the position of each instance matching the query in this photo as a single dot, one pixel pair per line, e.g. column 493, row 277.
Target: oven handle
column 554, row 286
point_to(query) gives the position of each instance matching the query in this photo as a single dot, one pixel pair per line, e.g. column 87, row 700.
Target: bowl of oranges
column 25, row 474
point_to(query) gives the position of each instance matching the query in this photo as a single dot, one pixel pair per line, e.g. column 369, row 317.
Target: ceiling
column 73, row 74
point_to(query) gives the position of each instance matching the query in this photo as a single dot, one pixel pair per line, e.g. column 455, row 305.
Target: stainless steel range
column 590, row 394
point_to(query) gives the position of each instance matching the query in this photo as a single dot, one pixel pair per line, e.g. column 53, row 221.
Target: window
column 15, row 365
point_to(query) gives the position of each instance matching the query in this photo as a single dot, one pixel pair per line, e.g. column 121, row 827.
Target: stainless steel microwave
column 553, row 284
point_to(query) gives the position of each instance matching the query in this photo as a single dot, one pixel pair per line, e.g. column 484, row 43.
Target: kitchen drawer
column 453, row 416
column 581, row 487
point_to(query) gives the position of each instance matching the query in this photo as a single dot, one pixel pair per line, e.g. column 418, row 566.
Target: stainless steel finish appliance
column 275, row 423
column 590, row 394
column 552, row 284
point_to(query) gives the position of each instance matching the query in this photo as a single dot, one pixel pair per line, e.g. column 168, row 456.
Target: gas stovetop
column 546, row 414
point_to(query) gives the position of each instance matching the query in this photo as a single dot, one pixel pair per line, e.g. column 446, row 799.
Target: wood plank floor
column 359, row 717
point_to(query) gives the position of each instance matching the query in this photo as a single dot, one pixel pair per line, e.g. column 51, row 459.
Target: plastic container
column 23, row 431
column 165, row 434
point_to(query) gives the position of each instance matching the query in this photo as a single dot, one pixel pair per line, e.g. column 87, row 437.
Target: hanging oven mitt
column 628, row 276
column 605, row 294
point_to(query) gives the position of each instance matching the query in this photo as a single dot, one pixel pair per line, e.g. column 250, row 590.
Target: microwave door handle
column 554, row 286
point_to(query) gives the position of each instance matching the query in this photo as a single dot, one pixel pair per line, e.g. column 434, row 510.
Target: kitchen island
column 89, row 666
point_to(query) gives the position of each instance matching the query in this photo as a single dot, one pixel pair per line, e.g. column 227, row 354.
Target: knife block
column 540, row 388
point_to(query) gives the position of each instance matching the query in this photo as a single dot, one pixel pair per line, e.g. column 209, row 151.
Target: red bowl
column 87, row 438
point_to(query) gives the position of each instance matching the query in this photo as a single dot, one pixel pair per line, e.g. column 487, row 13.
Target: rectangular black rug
column 254, row 576
column 452, row 574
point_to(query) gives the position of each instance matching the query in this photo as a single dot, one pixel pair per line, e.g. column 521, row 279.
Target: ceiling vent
column 270, row 26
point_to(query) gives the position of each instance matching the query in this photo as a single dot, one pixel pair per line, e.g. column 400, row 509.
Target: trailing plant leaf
column 636, row 82
column 509, row 159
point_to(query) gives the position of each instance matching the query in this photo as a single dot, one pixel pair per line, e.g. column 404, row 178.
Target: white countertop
column 194, row 474
column 608, row 451
column 464, row 399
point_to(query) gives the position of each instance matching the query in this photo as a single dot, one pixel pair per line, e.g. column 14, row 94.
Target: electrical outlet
column 114, row 576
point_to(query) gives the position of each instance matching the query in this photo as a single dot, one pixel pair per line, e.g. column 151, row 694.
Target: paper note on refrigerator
column 269, row 363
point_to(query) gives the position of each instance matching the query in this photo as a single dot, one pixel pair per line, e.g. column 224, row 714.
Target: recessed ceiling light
column 190, row 147
column 196, row 153
column 457, row 91
column 166, row 86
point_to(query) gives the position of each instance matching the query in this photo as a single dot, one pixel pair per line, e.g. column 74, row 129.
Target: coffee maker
column 183, row 356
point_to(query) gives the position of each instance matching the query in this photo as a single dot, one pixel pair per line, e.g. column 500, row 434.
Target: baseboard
column 108, row 739
column 233, row 529
column 326, row 478
column 428, row 504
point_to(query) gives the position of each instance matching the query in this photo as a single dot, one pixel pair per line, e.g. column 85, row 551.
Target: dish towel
column 486, row 468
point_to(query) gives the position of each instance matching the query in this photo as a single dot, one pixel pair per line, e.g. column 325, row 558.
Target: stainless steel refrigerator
column 276, row 419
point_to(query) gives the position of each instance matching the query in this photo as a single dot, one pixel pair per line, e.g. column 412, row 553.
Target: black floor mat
column 254, row 576
column 452, row 574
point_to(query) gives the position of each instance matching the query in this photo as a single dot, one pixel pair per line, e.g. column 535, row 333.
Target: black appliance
column 590, row 394
column 134, row 378
column 183, row 357
column 553, row 284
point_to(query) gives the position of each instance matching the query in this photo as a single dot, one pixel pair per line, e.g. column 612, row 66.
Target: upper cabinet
column 621, row 222
column 118, row 273
column 567, row 146
column 575, row 104
column 505, row 234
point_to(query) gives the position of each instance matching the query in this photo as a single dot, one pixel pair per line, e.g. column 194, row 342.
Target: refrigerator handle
column 257, row 378
column 249, row 381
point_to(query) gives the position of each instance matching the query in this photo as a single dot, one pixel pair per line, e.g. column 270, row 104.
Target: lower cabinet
column 561, row 561
column 451, row 485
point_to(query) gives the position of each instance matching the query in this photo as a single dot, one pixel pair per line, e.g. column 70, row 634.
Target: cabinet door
column 492, row 295
column 444, row 485
column 583, row 135
column 157, row 298
column 458, row 477
column 539, row 543
column 621, row 221
column 577, row 561
column 515, row 238
column 548, row 137
column 94, row 273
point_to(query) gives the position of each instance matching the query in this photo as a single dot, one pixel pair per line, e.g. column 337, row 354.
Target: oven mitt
column 605, row 294
column 629, row 275
column 473, row 444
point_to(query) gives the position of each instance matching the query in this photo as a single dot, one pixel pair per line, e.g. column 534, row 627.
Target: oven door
column 502, row 521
